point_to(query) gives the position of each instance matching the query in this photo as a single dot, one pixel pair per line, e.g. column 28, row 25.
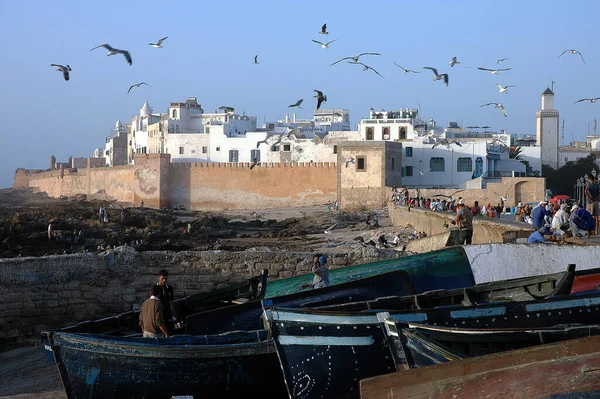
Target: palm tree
column 515, row 153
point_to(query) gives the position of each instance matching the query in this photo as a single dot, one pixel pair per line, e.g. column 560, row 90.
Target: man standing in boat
column 166, row 296
column 152, row 320
column 464, row 222
column 321, row 278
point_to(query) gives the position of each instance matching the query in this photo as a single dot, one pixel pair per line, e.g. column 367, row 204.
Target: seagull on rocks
column 591, row 100
column 494, row 71
column 502, row 89
column 573, row 52
column 113, row 51
column 496, row 105
column 137, row 85
column 501, row 60
column 320, row 98
column 438, row 76
column 296, row 104
column 404, row 69
column 324, row 30
column 328, row 231
column 453, row 62
column 354, row 59
column 64, row 69
column 324, row 45
column 366, row 67
column 159, row 43
column 255, row 59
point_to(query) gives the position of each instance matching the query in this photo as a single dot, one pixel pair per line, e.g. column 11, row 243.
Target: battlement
column 241, row 165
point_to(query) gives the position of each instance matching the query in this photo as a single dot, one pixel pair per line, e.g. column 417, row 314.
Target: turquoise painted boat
column 442, row 269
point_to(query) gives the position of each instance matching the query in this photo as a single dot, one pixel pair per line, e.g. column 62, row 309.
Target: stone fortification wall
column 56, row 291
column 237, row 186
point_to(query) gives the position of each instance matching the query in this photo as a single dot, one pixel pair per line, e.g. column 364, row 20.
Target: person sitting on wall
column 560, row 221
column 537, row 237
column 582, row 222
column 321, row 278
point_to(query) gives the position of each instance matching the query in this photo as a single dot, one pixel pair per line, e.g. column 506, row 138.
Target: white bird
column 324, row 30
column 454, row 62
column 159, row 43
column 328, row 231
column 320, row 98
column 324, row 45
column 446, row 142
column 354, row 59
column 404, row 69
column 501, row 60
column 349, row 160
column 137, row 85
column 496, row 105
column 502, row 89
column 64, row 69
column 255, row 59
column 438, row 76
column 591, row 100
column 297, row 104
column 113, row 51
column 494, row 71
column 573, row 52
column 366, row 67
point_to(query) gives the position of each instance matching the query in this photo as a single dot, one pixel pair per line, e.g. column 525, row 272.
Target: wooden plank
column 438, row 381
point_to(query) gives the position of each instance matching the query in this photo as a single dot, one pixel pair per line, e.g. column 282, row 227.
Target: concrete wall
column 485, row 230
column 55, row 291
column 236, row 186
column 514, row 189
column 495, row 262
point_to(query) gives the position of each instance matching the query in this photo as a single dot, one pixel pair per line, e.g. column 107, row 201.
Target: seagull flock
column 354, row 60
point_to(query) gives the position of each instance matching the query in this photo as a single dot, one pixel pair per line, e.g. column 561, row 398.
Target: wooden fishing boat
column 233, row 365
column 560, row 370
column 419, row 345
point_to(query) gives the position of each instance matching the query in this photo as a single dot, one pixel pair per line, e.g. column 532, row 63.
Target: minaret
column 547, row 128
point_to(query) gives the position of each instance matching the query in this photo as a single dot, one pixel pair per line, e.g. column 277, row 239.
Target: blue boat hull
column 237, row 365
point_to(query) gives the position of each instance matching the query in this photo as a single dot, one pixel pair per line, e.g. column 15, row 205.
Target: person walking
column 151, row 318
column 464, row 221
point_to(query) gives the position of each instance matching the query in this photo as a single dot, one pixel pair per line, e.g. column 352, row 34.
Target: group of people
column 566, row 221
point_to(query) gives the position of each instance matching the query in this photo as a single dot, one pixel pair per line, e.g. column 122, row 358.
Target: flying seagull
column 255, row 59
column 328, row 231
column 324, row 30
column 297, row 104
column 324, row 45
column 354, row 59
column 454, row 62
column 496, row 105
column 254, row 163
column 438, row 76
column 404, row 69
column 64, row 69
column 320, row 98
column 501, row 60
column 573, row 52
column 447, row 143
column 349, row 161
column 113, row 51
column 494, row 71
column 366, row 67
column 591, row 100
column 159, row 43
column 137, row 85
column 502, row 89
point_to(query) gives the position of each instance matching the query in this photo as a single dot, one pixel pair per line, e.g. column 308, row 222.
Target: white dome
column 118, row 125
column 146, row 110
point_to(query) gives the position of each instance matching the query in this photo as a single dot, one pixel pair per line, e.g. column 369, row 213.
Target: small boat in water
column 565, row 370
column 233, row 365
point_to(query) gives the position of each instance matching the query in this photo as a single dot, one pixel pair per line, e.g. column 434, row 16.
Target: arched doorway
column 386, row 133
column 369, row 133
column 478, row 167
column 402, row 133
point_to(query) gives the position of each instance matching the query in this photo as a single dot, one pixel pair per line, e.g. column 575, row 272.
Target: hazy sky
column 211, row 45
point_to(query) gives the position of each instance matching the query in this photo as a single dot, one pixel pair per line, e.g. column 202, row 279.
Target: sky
column 211, row 45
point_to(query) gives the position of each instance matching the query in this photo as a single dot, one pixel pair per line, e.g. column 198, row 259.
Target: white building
column 116, row 146
column 139, row 128
column 185, row 117
column 547, row 130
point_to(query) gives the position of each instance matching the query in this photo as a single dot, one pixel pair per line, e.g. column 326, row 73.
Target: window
column 274, row 148
column 361, row 163
column 254, row 155
column 409, row 171
column 408, row 152
column 218, row 148
column 393, row 163
column 174, row 114
column 207, row 129
column 180, row 150
column 335, row 149
column 402, row 133
column 464, row 165
column 437, row 164
column 271, row 126
column 233, row 156
column 386, row 133
column 204, row 150
column 287, row 147
column 369, row 133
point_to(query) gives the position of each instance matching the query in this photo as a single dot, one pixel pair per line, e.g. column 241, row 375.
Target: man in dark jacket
column 166, row 296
